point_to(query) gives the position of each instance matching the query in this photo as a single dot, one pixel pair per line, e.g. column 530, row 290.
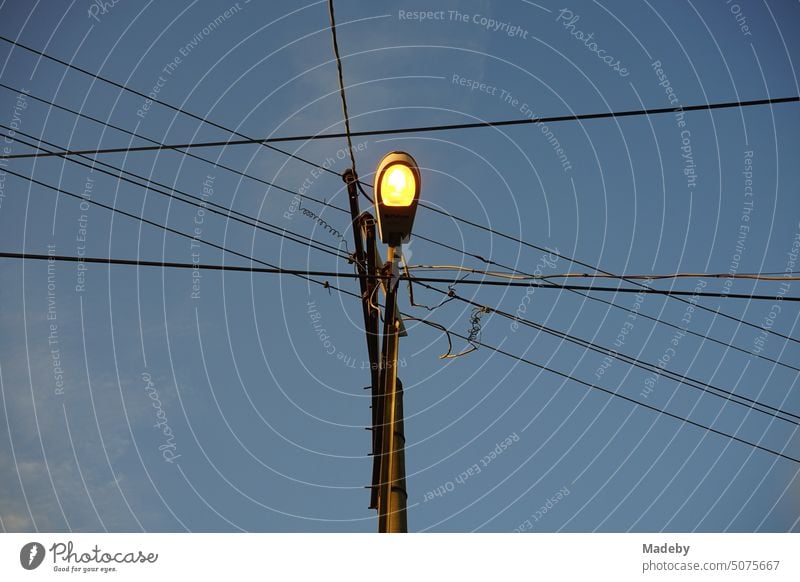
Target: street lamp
column 397, row 186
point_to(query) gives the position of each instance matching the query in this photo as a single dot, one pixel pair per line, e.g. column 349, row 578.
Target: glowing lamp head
column 397, row 185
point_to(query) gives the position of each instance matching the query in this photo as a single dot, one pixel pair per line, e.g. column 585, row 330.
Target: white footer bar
column 354, row 557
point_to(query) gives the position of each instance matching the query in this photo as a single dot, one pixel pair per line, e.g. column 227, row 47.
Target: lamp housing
column 397, row 187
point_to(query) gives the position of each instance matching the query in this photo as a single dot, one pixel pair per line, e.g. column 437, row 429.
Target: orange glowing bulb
column 398, row 186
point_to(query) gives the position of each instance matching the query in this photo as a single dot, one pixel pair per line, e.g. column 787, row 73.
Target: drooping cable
column 440, row 327
column 192, row 200
column 683, row 379
column 341, row 87
column 616, row 394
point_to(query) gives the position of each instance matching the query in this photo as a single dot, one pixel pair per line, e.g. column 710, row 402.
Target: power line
column 493, row 262
column 394, row 131
column 250, row 258
column 675, row 376
column 604, row 272
column 229, row 169
column 283, row 232
column 688, row 331
column 171, row 230
column 178, row 265
column 333, row 206
column 620, row 307
column 341, row 86
column 599, row 274
column 554, row 119
column 645, row 290
column 340, row 209
column 162, row 103
column 618, row 395
column 208, row 205
column 340, row 79
column 214, row 163
column 436, row 279
column 616, row 306
column 415, row 279
column 429, row 323
column 790, row 275
column 563, row 118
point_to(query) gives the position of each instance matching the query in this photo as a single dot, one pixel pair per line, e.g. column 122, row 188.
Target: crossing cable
column 603, row 272
column 574, row 291
column 552, row 119
column 417, row 235
column 65, row 153
column 266, row 143
column 341, row 87
column 500, row 351
column 299, row 273
column 207, row 205
column 420, row 280
column 587, row 265
column 343, row 210
column 690, row 332
column 233, row 171
column 644, row 365
column 432, row 324
column 786, row 276
column 214, row 163
column 273, row 270
column 628, row 310
column 595, row 288
column 432, row 279
column 566, row 376
column 154, row 100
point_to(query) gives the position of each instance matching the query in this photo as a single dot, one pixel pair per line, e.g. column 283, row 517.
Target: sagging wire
column 468, row 270
column 449, row 353
column 451, row 289
column 371, row 301
column 363, row 192
column 785, row 276
column 473, row 336
column 341, row 84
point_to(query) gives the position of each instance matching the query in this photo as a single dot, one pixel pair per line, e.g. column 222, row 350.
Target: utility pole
column 372, row 259
column 397, row 185
column 365, row 279
column 363, row 225
column 392, row 496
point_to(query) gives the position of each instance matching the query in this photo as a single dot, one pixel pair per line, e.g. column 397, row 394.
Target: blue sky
column 225, row 411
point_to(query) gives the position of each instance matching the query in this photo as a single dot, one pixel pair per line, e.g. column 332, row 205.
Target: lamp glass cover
column 398, row 186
